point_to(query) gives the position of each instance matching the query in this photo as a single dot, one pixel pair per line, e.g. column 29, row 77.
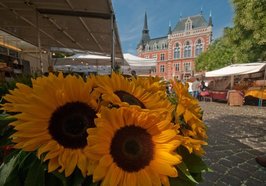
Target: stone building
column 176, row 52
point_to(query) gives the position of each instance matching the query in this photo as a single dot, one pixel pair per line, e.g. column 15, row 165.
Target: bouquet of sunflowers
column 105, row 130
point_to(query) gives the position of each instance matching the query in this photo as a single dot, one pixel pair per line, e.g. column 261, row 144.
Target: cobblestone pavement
column 237, row 135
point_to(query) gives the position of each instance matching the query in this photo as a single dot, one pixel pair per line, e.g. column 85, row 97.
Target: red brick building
column 176, row 52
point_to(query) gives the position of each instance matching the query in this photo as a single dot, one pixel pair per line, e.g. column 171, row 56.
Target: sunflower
column 188, row 114
column 133, row 147
column 152, row 84
column 119, row 91
column 52, row 119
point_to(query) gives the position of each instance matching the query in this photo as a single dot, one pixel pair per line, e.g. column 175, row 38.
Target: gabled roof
column 198, row 21
column 158, row 40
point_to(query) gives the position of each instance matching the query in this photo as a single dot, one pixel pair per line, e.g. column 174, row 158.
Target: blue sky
column 130, row 17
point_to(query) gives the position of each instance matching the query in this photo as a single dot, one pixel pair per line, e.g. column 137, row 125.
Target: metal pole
column 263, row 87
column 112, row 42
column 39, row 41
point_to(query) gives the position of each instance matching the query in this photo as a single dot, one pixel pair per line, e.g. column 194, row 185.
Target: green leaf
column 193, row 162
column 183, row 168
column 197, row 176
column 52, row 180
column 61, row 177
column 88, row 181
column 181, row 180
column 4, row 121
column 76, row 178
column 35, row 175
column 7, row 170
column 27, row 161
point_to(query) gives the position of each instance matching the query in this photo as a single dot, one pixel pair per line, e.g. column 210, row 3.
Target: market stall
column 241, row 78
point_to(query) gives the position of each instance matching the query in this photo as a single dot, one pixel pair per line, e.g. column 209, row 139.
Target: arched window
column 199, row 47
column 155, row 47
column 187, row 50
column 147, row 48
column 188, row 24
column 177, row 51
column 163, row 46
column 161, row 68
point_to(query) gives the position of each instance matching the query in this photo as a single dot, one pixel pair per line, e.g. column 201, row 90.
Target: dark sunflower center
column 68, row 124
column 130, row 99
column 132, row 148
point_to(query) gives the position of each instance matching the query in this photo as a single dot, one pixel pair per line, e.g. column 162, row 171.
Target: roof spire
column 180, row 16
column 210, row 19
column 145, row 27
column 170, row 29
column 145, row 32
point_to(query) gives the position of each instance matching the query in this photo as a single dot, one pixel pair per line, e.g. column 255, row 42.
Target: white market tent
column 142, row 66
column 237, row 69
column 135, row 61
column 99, row 63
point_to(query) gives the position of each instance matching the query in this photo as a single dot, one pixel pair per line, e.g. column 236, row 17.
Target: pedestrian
column 202, row 86
column 196, row 88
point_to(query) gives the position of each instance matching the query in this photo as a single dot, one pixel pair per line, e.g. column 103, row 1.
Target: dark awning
column 76, row 24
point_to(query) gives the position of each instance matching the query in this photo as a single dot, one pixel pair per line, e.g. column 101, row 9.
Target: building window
column 187, row 66
column 199, row 47
column 186, row 77
column 187, row 50
column 161, row 68
column 188, row 24
column 176, row 67
column 147, row 48
column 163, row 46
column 162, row 57
column 176, row 51
column 154, row 56
column 155, row 46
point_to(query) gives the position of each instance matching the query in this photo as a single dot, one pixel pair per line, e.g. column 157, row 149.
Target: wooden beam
column 74, row 13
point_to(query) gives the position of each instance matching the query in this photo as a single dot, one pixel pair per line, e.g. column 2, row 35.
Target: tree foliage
column 243, row 43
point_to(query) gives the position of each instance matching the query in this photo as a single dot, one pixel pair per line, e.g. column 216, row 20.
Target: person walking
column 196, row 88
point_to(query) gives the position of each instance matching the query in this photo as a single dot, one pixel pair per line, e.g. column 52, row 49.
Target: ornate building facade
column 176, row 52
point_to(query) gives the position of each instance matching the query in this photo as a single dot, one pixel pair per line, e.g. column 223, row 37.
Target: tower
column 145, row 32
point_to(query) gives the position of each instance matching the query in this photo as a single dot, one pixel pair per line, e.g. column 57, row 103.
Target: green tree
column 219, row 54
column 249, row 32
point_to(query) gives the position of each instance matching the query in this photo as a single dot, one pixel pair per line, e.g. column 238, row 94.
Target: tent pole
column 263, row 87
column 232, row 82
column 112, row 42
column 39, row 40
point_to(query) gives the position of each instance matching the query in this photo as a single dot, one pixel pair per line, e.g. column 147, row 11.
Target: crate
column 235, row 98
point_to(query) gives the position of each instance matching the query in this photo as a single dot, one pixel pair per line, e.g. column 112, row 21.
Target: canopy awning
column 76, row 24
column 136, row 61
column 237, row 69
column 95, row 62
column 88, row 59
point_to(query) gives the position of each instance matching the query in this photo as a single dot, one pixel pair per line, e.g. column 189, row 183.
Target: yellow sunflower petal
column 143, row 179
column 53, row 165
column 164, row 169
column 116, row 175
column 99, row 173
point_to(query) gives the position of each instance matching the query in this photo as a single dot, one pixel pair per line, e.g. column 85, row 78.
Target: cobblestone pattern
column 237, row 135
